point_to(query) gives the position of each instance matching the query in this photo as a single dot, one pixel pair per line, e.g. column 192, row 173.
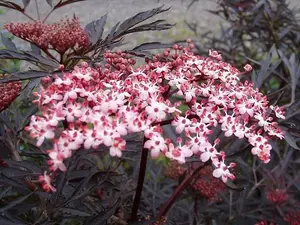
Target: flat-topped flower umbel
column 101, row 105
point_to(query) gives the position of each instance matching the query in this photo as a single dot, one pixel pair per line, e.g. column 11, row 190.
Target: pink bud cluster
column 205, row 184
column 264, row 222
column 60, row 36
column 99, row 106
column 277, row 196
column 292, row 218
column 8, row 92
column 174, row 170
column 208, row 186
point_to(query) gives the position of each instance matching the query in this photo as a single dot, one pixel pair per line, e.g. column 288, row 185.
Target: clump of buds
column 8, row 92
column 277, row 196
column 60, row 36
column 89, row 107
column 174, row 170
column 264, row 222
column 292, row 218
column 209, row 186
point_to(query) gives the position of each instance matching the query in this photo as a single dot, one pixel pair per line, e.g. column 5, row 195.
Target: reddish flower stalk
column 140, row 183
column 188, row 179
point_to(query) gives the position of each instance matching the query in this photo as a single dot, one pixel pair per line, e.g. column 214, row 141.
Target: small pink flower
column 222, row 171
column 46, row 182
column 215, row 54
column 56, row 159
column 181, row 123
column 117, row 147
column 156, row 144
column 248, row 67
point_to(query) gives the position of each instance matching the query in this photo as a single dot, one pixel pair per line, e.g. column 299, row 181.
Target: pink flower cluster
column 93, row 106
column 59, row 36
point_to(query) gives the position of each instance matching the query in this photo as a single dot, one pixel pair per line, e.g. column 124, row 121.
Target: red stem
column 178, row 190
column 140, row 184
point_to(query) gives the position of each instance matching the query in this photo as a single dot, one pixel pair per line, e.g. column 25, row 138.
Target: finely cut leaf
column 94, row 30
column 8, row 43
column 24, row 76
column 74, row 212
column 26, row 3
column 62, row 3
column 290, row 140
column 151, row 45
column 49, row 2
column 138, row 18
column 35, row 49
column 103, row 216
column 14, row 203
column 11, row 5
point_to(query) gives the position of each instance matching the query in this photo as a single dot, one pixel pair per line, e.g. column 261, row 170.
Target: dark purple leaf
column 232, row 186
column 27, row 90
column 13, row 172
column 26, row 3
column 151, row 26
column 146, row 222
column 11, row 5
column 62, row 3
column 112, row 32
column 291, row 140
column 94, row 30
column 5, row 119
column 4, row 192
column 28, row 56
column 103, row 216
column 266, row 67
column 9, row 222
column 49, row 2
column 138, row 18
column 35, row 49
column 24, row 76
column 151, row 45
column 26, row 118
column 8, row 43
column 74, row 212
column 15, row 202
column 28, row 165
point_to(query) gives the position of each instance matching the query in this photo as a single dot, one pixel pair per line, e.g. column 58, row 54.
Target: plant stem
column 139, row 188
column 179, row 189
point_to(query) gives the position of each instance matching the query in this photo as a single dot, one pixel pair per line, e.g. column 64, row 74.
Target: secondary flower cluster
column 205, row 184
column 8, row 92
column 277, row 196
column 90, row 107
column 208, row 186
column 60, row 36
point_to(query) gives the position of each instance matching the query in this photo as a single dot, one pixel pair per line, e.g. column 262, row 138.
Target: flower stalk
column 164, row 210
column 140, row 183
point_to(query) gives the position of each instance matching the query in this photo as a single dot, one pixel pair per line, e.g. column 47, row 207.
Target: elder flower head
column 60, row 36
column 99, row 106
